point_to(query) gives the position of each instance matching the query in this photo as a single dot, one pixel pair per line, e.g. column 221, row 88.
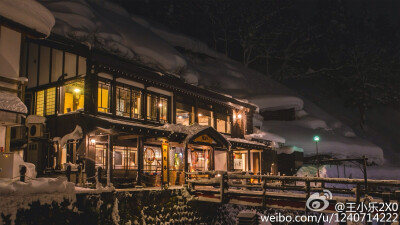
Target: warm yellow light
column 180, row 117
column 93, row 141
column 77, row 90
column 240, row 116
column 200, row 114
column 234, row 117
column 160, row 105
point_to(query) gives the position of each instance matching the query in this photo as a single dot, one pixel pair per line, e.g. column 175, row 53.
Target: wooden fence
column 258, row 190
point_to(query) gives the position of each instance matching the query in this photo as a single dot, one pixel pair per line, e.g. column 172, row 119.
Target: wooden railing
column 263, row 187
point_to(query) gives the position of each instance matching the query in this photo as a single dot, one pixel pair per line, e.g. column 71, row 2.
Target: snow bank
column 289, row 150
column 351, row 171
column 17, row 195
column 29, row 13
column 11, row 102
column 333, row 144
column 107, row 26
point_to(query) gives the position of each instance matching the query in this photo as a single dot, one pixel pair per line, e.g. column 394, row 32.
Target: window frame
column 131, row 89
column 158, row 97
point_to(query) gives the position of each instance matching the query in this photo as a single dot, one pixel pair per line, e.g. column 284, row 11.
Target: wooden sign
column 165, row 163
column 205, row 139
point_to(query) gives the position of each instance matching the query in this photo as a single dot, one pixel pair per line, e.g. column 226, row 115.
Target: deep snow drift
column 104, row 25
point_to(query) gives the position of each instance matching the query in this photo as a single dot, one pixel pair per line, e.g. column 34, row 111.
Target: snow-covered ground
column 104, row 25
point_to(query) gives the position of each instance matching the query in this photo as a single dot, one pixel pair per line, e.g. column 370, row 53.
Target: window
column 104, row 97
column 45, row 103
column 43, row 65
column 152, row 107
column 152, row 159
column 70, row 66
column 184, row 114
column 72, row 97
column 157, row 108
column 128, row 102
column 163, row 108
column 205, row 117
column 101, row 151
column 223, row 123
column 125, row 157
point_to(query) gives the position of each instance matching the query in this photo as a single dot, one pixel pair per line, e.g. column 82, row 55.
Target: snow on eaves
column 107, row 26
column 28, row 13
column 11, row 102
column 277, row 102
column 263, row 135
column 190, row 131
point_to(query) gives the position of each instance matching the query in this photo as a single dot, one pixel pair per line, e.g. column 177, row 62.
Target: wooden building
column 138, row 124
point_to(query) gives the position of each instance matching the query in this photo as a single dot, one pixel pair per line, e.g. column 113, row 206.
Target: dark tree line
column 337, row 40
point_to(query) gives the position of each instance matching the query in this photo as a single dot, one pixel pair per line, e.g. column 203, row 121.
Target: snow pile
column 351, row 171
column 11, row 102
column 29, row 13
column 239, row 140
column 289, row 150
column 10, row 165
column 20, row 195
column 74, row 135
column 35, row 119
column 263, row 135
column 106, row 26
column 277, row 102
column 189, row 130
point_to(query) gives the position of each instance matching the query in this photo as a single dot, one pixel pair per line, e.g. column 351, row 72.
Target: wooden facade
column 121, row 107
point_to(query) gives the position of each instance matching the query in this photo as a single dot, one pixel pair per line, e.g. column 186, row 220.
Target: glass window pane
column 205, row 117
column 51, row 101
column 81, row 66
column 136, row 104
column 70, row 65
column 104, row 97
column 44, row 70
column 33, row 65
column 152, row 107
column 184, row 114
column 123, row 102
column 100, row 155
column 56, row 64
column 40, row 103
column 72, row 97
column 163, row 107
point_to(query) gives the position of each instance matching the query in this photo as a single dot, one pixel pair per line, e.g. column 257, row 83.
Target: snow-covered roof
column 190, row 131
column 263, row 135
column 28, row 13
column 277, row 102
column 11, row 102
column 244, row 141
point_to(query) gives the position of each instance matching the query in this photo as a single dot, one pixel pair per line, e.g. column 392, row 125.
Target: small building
column 14, row 29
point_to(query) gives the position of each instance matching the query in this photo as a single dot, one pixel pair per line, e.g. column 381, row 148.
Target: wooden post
column 223, row 184
column 140, row 148
column 264, row 203
column 358, row 194
column 365, row 174
column 186, row 162
column 22, row 172
column 68, row 173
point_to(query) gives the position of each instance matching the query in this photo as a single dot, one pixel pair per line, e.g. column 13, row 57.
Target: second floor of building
column 67, row 77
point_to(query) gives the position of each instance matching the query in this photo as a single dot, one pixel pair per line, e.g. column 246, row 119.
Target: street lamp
column 316, row 139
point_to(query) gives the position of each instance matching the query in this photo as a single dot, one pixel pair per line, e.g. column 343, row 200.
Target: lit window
column 163, row 107
column 125, row 157
column 72, row 97
column 223, row 123
column 45, row 102
column 128, row 102
column 205, row 117
column 100, row 158
column 104, row 97
column 184, row 114
column 152, row 107
column 157, row 108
